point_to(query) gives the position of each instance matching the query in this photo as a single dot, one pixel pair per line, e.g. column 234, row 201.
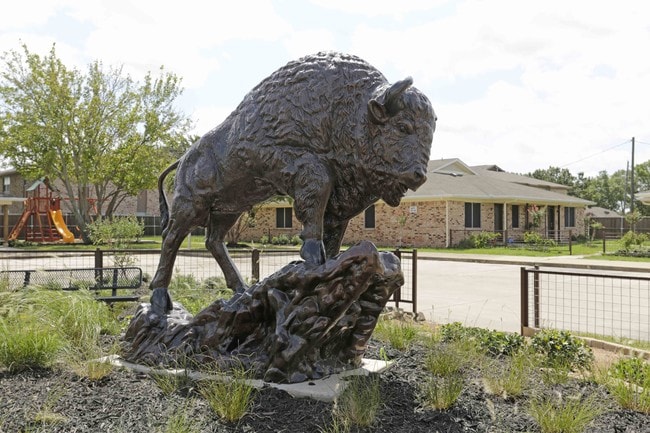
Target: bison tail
column 164, row 208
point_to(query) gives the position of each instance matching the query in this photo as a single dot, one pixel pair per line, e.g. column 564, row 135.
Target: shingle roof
column 451, row 179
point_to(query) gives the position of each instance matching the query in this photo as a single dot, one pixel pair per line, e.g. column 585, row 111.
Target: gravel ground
column 130, row 402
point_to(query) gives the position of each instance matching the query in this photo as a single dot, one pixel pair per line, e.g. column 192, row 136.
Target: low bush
column 560, row 349
column 495, row 343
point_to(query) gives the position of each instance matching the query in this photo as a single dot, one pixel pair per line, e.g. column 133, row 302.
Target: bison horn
column 388, row 103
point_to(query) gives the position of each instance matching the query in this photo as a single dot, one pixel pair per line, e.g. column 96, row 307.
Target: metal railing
column 594, row 304
column 253, row 265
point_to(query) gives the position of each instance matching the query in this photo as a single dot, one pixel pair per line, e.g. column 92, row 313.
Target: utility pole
column 632, row 180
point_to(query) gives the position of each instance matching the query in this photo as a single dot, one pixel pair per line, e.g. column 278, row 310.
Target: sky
column 521, row 84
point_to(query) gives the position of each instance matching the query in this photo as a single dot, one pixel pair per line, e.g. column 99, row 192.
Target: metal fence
column 593, row 304
column 253, row 265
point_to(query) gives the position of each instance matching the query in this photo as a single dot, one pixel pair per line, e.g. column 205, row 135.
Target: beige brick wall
column 415, row 224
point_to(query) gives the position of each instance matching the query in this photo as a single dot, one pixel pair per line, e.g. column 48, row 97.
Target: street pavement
column 484, row 291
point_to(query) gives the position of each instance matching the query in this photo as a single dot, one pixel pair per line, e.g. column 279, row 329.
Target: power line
column 595, row 154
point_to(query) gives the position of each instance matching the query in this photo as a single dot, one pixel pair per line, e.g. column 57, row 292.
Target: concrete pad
column 326, row 389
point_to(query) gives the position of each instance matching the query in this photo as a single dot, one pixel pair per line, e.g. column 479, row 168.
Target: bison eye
column 405, row 128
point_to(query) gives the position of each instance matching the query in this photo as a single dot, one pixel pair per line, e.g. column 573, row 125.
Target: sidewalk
column 575, row 262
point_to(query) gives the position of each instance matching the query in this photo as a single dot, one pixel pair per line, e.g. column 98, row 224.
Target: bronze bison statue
column 327, row 130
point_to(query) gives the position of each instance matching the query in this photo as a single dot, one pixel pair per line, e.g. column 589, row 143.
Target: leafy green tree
column 642, row 183
column 605, row 191
column 99, row 132
column 554, row 174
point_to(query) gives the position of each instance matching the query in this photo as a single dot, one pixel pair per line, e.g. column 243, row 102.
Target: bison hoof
column 161, row 302
column 313, row 252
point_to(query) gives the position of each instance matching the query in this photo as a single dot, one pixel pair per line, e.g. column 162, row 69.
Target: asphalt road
column 484, row 291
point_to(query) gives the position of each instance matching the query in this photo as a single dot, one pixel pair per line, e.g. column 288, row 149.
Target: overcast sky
column 520, row 84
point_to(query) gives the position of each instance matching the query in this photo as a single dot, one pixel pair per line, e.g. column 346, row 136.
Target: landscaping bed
column 57, row 400
column 447, row 378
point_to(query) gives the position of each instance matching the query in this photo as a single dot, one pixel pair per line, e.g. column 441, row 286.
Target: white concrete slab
column 326, row 389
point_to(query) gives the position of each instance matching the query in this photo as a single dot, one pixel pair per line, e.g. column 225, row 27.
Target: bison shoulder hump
column 303, row 96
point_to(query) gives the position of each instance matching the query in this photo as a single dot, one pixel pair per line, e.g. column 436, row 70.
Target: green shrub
column 116, row 232
column 632, row 240
column 632, row 370
column 478, row 240
column 560, row 349
column 495, row 343
column 629, row 384
column 535, row 240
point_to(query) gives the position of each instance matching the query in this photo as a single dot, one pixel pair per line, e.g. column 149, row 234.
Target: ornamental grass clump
column 400, row 334
column 441, row 393
column 510, row 377
column 359, row 404
column 230, row 396
column 564, row 415
column 27, row 346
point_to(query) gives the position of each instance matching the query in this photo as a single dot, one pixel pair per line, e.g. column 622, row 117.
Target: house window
column 283, row 217
column 515, row 216
column 498, row 217
column 472, row 215
column 569, row 217
column 6, row 185
column 369, row 217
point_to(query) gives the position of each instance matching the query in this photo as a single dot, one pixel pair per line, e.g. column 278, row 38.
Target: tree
column 605, row 191
column 100, row 133
column 558, row 175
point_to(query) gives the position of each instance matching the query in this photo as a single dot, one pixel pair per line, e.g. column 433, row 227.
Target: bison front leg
column 312, row 190
column 333, row 235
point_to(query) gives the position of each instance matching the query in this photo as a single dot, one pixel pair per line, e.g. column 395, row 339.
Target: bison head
column 401, row 128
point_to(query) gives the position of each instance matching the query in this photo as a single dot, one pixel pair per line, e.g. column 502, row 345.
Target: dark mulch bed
column 130, row 402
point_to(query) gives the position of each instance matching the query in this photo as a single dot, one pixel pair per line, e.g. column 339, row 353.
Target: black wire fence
column 590, row 303
column 253, row 265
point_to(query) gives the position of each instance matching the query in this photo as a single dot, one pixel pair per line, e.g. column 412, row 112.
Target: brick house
column 455, row 202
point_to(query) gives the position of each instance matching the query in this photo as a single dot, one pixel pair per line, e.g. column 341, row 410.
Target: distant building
column 455, row 202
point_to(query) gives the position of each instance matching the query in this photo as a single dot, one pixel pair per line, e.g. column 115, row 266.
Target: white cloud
column 538, row 84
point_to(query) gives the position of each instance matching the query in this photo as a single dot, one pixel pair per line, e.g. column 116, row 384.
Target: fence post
column 255, row 264
column 570, row 243
column 536, row 296
column 99, row 264
column 523, row 294
column 603, row 232
column 397, row 294
column 414, row 281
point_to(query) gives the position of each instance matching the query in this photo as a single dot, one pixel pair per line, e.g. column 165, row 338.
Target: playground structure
column 42, row 220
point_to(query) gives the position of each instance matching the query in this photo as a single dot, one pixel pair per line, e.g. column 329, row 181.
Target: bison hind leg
column 218, row 227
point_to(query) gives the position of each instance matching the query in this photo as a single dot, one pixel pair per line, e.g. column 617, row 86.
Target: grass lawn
column 197, row 242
